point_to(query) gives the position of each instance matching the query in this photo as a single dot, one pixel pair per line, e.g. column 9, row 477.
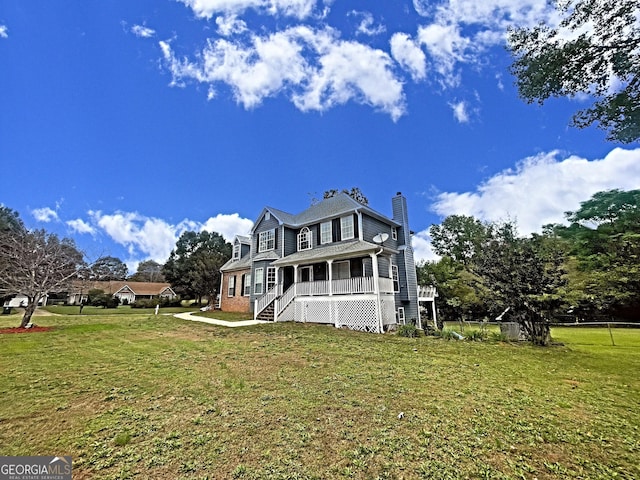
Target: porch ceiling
column 330, row 252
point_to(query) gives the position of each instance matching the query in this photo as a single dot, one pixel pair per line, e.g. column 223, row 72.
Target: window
column 236, row 251
column 271, row 277
column 401, row 319
column 267, row 240
column 306, row 274
column 325, row 232
column 395, row 277
column 247, row 285
column 394, row 233
column 304, row 239
column 259, row 282
column 346, row 227
column 341, row 270
column 232, row 286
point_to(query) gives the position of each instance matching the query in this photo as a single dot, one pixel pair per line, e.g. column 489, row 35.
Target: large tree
column 108, row 268
column 35, row 264
column 459, row 237
column 604, row 238
column 148, row 271
column 523, row 275
column 193, row 267
column 594, row 51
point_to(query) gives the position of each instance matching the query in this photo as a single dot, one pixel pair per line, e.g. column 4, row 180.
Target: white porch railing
column 427, row 292
column 321, row 288
column 264, row 301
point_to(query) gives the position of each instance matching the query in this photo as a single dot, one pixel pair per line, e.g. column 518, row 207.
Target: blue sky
column 125, row 123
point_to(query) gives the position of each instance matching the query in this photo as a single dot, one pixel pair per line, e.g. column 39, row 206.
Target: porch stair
column 267, row 314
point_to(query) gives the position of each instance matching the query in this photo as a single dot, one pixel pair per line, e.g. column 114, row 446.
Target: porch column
column 333, row 318
column 376, row 289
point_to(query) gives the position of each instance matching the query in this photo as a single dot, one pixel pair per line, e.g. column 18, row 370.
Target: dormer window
column 236, row 251
column 304, row 239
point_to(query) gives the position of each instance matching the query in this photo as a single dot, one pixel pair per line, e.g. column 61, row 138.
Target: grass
column 227, row 316
column 121, row 310
column 156, row 397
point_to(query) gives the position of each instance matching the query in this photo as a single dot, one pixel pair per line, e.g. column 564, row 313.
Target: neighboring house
column 337, row 262
column 123, row 289
column 22, row 301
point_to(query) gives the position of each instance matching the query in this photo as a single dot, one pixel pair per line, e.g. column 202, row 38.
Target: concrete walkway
column 213, row 321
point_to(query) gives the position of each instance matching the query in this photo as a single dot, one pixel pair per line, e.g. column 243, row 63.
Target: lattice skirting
column 356, row 314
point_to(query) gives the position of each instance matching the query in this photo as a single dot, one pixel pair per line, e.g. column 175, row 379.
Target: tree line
column 585, row 269
column 37, row 263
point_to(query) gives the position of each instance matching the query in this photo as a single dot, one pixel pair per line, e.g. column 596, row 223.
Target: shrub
column 448, row 334
column 409, row 331
column 475, row 335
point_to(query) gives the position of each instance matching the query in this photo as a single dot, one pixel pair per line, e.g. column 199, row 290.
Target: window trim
column 326, row 236
column 402, row 319
column 271, row 278
column 345, row 223
column 394, row 233
column 231, row 286
column 395, row 276
column 259, row 275
column 305, row 239
column 247, row 285
column 342, row 262
column 236, row 251
column 267, row 240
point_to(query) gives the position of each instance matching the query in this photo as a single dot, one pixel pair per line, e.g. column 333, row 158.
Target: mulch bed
column 33, row 329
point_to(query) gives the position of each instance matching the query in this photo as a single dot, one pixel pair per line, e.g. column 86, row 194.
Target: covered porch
column 346, row 285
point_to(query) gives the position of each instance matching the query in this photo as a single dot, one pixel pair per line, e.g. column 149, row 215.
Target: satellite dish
column 381, row 238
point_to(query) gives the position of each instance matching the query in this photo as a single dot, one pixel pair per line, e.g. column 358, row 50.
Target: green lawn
column 155, row 397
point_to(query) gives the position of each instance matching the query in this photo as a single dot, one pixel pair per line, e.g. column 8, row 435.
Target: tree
column 354, row 193
column 524, row 275
column 10, row 220
column 35, row 264
column 108, row 268
column 461, row 294
column 459, row 237
column 604, row 239
column 148, row 271
column 193, row 267
column 595, row 50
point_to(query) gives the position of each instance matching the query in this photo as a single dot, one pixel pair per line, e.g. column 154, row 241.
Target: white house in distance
column 125, row 290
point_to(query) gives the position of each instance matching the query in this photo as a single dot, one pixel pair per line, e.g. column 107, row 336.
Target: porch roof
column 338, row 251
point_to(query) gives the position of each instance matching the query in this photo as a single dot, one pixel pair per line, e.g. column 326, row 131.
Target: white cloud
column 541, row 188
column 154, row 238
column 367, row 25
column 4, row 31
column 409, row 55
column 460, row 111
column 208, row 8
column 228, row 225
column 422, row 251
column 230, row 25
column 456, row 32
column 332, row 71
column 80, row 226
column 44, row 214
column 142, row 31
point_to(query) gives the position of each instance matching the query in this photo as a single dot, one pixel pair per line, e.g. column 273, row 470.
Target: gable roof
column 115, row 286
column 333, row 207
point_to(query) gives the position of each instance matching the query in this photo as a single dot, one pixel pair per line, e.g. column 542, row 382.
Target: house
column 126, row 291
column 337, row 262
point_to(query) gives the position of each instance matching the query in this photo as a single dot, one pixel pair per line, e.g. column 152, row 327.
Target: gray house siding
column 408, row 296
